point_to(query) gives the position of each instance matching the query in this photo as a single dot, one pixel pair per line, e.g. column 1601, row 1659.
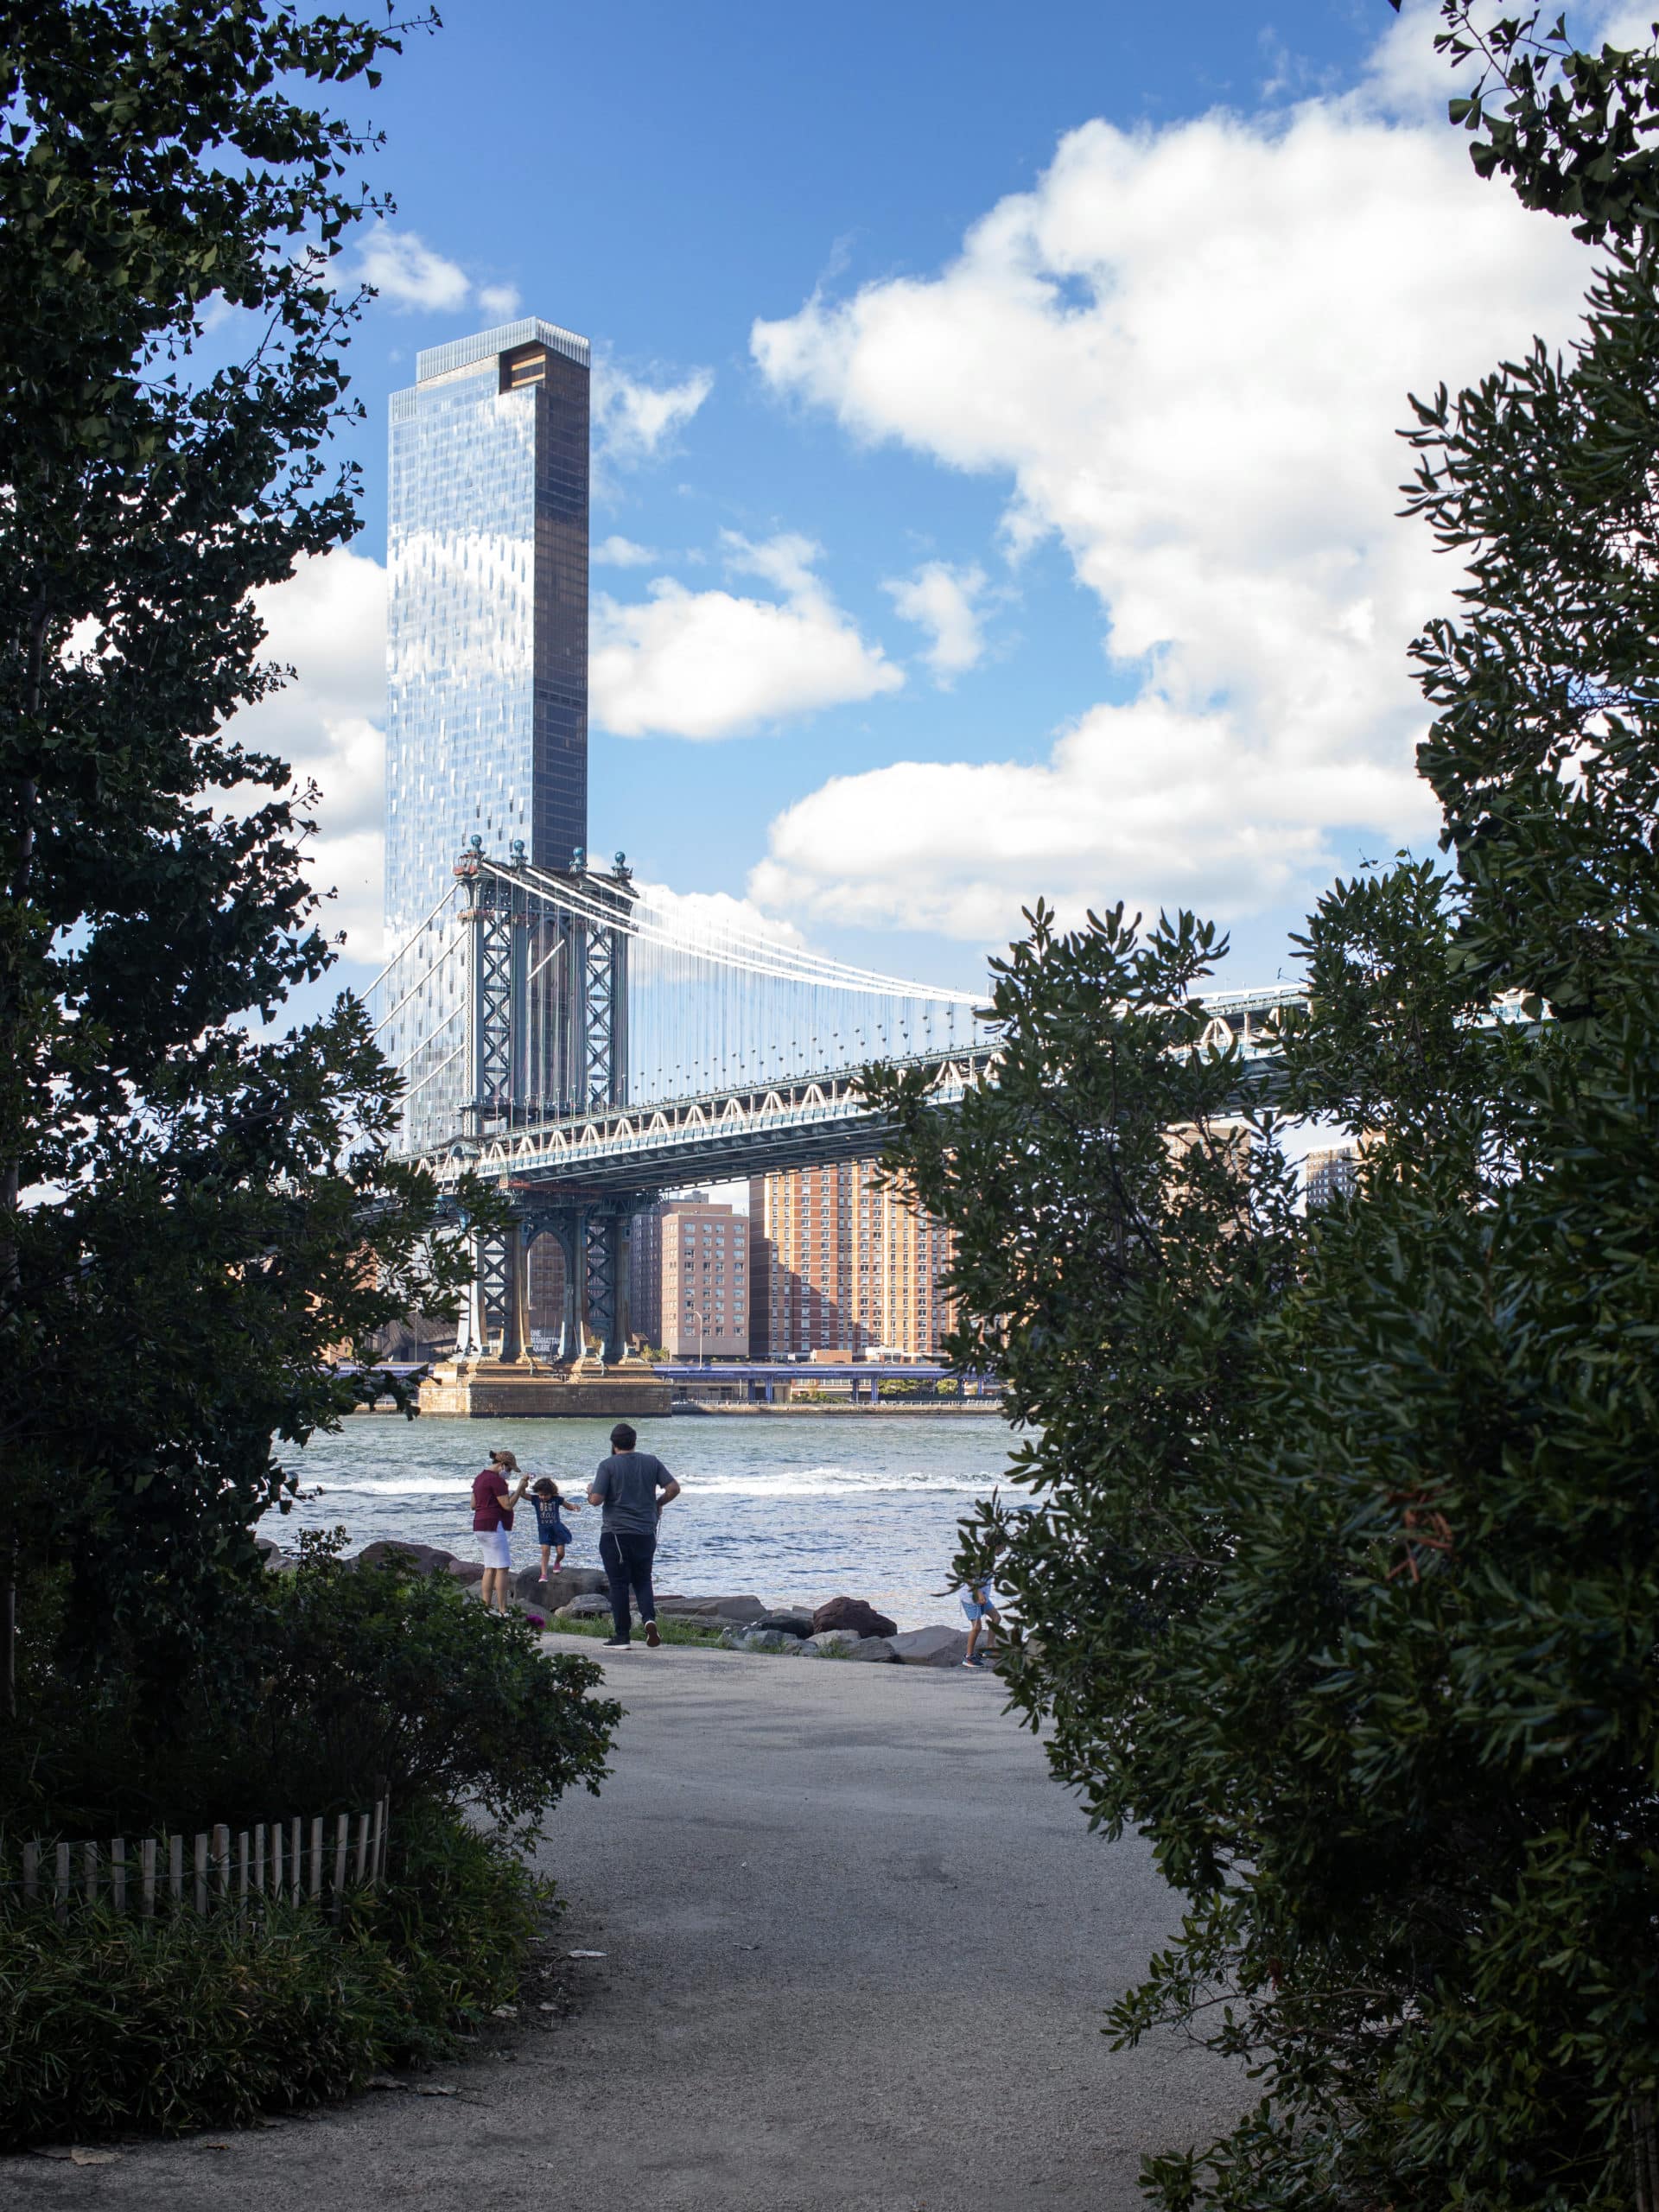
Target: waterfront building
column 703, row 1271
column 841, row 1263
column 645, row 1267
column 1332, row 1171
column 486, row 614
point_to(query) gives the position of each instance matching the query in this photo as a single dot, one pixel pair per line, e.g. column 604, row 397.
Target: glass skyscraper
column 486, row 644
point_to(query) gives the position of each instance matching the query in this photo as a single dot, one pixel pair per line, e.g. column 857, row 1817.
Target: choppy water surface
column 795, row 1508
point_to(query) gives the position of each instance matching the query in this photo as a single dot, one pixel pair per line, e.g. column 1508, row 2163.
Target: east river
column 795, row 1508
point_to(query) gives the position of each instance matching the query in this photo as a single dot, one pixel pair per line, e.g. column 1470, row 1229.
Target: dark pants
column 627, row 1559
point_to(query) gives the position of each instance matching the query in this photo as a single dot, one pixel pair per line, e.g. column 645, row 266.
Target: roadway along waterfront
column 796, row 1508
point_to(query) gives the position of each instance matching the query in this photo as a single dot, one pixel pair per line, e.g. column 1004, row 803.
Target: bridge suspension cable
column 714, row 1002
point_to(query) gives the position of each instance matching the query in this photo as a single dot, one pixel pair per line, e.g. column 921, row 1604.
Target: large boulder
column 794, row 1620
column 743, row 1612
column 832, row 1643
column 466, row 1570
column 589, row 1608
column 930, row 1647
column 769, row 1639
column 853, row 1613
column 870, row 1648
column 562, row 1583
column 394, row 1551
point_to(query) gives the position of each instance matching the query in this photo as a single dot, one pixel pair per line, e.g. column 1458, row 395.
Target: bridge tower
column 546, row 1037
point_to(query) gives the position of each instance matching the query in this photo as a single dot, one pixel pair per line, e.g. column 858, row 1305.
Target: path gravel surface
column 856, row 1944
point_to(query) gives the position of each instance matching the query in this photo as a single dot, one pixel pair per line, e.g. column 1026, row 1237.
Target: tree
column 1383, row 1692
column 193, row 1207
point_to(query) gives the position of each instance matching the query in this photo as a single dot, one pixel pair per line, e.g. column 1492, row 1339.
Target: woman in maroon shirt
column 492, row 1504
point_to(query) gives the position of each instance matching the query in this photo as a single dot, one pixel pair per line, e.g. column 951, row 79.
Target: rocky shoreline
column 841, row 1628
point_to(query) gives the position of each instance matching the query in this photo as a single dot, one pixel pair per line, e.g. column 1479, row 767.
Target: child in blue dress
column 550, row 1531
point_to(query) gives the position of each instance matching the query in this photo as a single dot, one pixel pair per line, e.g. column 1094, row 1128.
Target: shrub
column 330, row 1679
column 335, row 1677
column 108, row 2023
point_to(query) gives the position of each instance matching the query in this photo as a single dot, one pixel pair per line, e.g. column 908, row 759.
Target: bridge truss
column 586, row 1042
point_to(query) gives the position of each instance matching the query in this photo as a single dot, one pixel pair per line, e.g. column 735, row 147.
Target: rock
column 871, row 1647
column 745, row 1611
column 466, row 1570
column 834, row 1641
column 930, row 1647
column 794, row 1620
column 769, row 1639
column 423, row 1559
column 853, row 1613
column 562, row 1583
column 585, row 1609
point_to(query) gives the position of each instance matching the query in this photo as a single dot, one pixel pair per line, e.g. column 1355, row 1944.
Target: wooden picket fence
column 320, row 1862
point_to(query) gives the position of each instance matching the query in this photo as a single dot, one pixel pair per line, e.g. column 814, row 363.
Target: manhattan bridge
column 581, row 1041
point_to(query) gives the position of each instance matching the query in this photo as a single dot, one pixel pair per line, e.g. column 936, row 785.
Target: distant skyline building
column 486, row 617
column 840, row 1263
column 702, row 1268
column 1331, row 1173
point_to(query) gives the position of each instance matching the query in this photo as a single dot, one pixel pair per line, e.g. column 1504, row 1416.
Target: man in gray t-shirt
column 632, row 1487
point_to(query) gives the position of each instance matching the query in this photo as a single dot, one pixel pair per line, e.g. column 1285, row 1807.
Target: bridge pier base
column 494, row 1376
column 495, row 1389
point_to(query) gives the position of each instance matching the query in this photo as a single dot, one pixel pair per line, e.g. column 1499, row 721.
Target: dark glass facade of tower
column 486, row 645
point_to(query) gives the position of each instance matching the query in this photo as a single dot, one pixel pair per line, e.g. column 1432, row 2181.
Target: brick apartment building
column 840, row 1264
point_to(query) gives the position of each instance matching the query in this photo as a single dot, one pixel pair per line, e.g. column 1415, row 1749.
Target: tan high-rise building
column 840, row 1264
column 704, row 1309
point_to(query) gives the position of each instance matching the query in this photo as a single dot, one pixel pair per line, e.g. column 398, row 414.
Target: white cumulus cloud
column 635, row 420
column 715, row 664
column 409, row 273
column 947, row 603
column 1186, row 353
column 623, row 553
column 412, row 278
column 328, row 623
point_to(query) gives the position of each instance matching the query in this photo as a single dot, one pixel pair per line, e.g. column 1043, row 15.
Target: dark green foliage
column 1343, row 1580
column 370, row 1671
column 329, row 1679
column 1117, row 1240
column 1573, row 132
column 333, row 1678
column 111, row 2025
column 212, row 1210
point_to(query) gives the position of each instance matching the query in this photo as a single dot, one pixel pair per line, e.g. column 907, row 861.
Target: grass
column 672, row 1631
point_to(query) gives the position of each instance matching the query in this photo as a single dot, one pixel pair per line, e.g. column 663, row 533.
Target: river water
column 794, row 1508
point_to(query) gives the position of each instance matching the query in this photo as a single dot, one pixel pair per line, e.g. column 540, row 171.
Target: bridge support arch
column 495, row 1372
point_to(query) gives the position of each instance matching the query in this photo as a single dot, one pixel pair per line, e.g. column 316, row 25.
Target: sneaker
column 651, row 1637
column 541, row 1578
column 617, row 1644
column 974, row 1663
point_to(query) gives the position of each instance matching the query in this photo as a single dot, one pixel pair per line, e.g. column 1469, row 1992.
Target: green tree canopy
column 194, row 1208
column 1338, row 1562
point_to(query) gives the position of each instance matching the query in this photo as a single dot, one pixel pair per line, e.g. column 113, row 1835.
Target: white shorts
column 495, row 1547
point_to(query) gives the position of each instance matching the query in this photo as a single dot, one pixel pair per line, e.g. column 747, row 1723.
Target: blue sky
column 998, row 421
